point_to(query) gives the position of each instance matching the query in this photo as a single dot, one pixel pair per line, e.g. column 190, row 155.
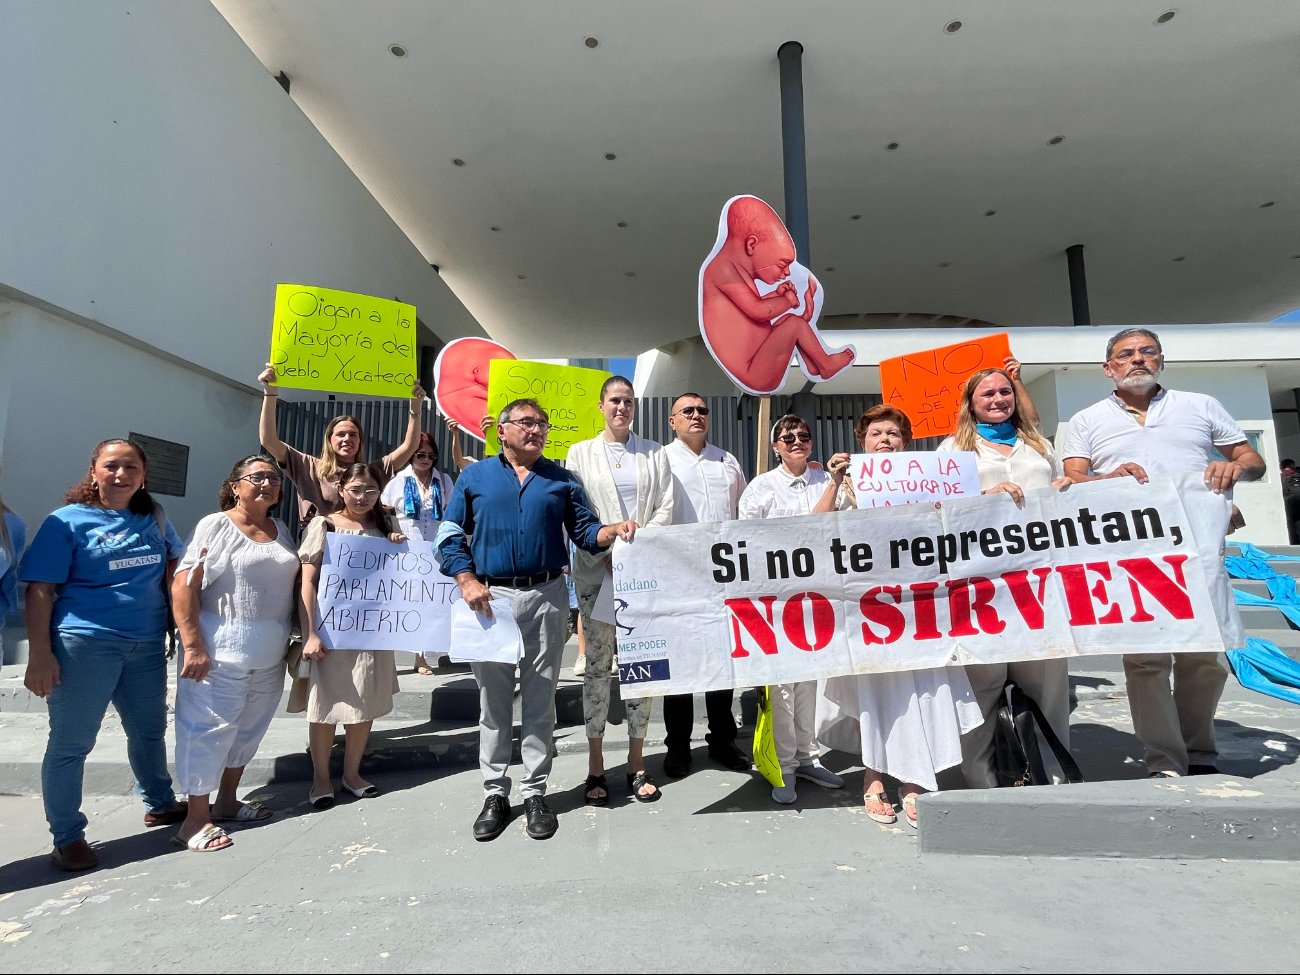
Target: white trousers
column 794, row 725
column 221, row 720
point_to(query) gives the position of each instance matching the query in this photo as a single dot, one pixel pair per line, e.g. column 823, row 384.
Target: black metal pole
column 790, row 57
column 1078, row 285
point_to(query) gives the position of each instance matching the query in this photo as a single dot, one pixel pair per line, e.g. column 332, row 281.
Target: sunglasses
column 789, row 438
column 693, row 411
column 261, row 477
column 424, row 455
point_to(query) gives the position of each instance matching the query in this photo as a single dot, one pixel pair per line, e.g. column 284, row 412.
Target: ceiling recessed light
column 591, row 41
column 952, row 27
column 396, row 50
column 630, row 274
column 1265, row 206
column 1165, row 17
column 945, row 264
column 891, row 147
column 494, row 228
column 521, row 277
column 1056, row 140
column 458, row 162
column 1295, row 257
column 621, row 223
column 610, row 156
column 990, row 213
column 830, row 269
column 1179, row 260
column 856, row 216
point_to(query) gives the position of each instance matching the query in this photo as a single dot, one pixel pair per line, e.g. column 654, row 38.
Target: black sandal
column 636, row 781
column 595, row 782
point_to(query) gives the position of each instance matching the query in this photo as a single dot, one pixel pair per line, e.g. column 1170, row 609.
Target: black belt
column 521, row 582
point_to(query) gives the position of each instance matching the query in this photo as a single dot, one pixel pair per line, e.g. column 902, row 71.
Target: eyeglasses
column 528, row 423
column 789, row 438
column 261, row 477
column 362, row 493
column 1147, row 351
column 423, row 455
column 693, row 411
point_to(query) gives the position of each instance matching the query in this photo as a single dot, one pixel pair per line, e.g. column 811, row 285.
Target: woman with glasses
column 998, row 423
column 625, row 477
column 795, row 487
column 315, row 478
column 347, row 687
column 233, row 597
column 418, row 496
column 907, row 724
column 96, row 575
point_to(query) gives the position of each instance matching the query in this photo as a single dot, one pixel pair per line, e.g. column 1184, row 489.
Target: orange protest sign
column 927, row 385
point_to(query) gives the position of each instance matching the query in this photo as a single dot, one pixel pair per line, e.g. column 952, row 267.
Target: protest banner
column 927, row 385
column 569, row 394
column 1109, row 566
column 881, row 480
column 340, row 342
column 374, row 594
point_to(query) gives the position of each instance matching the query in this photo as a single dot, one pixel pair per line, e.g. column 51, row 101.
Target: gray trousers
column 1046, row 681
column 542, row 614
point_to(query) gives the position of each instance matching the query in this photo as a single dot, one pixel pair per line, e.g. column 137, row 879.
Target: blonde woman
column 625, row 477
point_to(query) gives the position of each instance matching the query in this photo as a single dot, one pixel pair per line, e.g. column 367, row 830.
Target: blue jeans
column 92, row 672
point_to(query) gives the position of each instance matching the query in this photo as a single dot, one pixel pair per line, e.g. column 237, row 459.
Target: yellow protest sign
column 764, row 745
column 340, row 342
column 569, row 394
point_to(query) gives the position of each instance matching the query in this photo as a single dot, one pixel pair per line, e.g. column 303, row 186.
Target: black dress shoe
column 677, row 765
column 494, row 818
column 1202, row 770
column 542, row 823
column 729, row 756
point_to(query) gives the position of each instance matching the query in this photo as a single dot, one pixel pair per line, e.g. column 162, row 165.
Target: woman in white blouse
column 232, row 594
column 998, row 423
column 625, row 476
column 418, row 495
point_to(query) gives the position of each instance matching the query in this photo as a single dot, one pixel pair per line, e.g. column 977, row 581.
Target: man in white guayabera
column 1145, row 430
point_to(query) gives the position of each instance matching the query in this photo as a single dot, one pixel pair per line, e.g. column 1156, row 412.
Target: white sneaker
column 613, row 665
column 824, row 777
column 580, row 666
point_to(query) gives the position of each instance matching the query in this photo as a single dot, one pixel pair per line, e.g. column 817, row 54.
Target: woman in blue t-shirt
column 96, row 617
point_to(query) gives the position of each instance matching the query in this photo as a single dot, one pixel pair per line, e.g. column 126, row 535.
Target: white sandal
column 206, row 840
column 882, row 818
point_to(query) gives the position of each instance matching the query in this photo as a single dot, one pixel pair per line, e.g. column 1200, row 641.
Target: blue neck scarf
column 1003, row 433
column 411, row 497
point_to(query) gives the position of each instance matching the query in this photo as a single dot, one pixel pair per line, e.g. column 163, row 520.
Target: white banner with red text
column 1105, row 567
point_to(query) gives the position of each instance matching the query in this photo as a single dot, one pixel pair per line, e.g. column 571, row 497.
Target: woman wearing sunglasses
column 418, row 496
column 233, row 597
column 625, row 476
column 795, row 487
column 347, row 687
column 315, row 478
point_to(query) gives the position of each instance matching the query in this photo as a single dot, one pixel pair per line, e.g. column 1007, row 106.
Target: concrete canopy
column 1176, row 166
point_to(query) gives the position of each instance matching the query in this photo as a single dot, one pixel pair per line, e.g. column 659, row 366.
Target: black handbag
column 1016, row 757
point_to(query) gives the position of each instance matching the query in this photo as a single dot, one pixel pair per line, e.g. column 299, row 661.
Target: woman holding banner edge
column 796, row 487
column 625, row 477
column 314, row 478
column 998, row 423
column 348, row 687
column 907, row 724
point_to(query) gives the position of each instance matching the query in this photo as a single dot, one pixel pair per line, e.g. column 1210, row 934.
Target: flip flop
column 423, row 669
column 909, row 809
column 886, row 819
column 206, row 840
column 249, row 812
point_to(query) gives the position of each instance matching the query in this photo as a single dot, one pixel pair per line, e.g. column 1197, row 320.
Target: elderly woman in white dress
column 233, row 594
column 906, row 724
column 998, row 422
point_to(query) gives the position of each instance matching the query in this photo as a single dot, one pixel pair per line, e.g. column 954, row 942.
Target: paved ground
column 1189, row 875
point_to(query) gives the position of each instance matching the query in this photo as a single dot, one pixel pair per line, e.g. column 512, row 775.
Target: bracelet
column 270, row 394
column 415, row 413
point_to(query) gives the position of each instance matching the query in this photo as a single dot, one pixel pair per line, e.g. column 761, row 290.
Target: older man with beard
column 1169, row 432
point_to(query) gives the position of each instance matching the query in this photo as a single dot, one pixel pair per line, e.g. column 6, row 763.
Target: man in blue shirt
column 504, row 535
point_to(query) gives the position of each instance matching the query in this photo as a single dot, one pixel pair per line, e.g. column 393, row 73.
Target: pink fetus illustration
column 460, row 377
column 758, row 306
